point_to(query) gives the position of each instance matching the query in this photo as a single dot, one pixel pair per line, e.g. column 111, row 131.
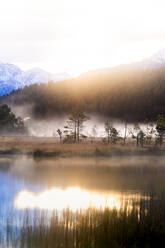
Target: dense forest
column 9, row 123
column 131, row 95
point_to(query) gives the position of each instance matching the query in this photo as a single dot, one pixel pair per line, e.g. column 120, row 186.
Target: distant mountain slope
column 130, row 92
column 155, row 61
column 13, row 78
column 132, row 95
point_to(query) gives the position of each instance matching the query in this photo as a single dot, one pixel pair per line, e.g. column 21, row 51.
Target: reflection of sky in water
column 78, row 184
column 9, row 188
column 58, row 184
column 17, row 194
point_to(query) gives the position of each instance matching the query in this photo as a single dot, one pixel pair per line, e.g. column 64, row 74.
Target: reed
column 141, row 226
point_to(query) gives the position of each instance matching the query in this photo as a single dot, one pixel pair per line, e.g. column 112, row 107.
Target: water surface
column 55, row 184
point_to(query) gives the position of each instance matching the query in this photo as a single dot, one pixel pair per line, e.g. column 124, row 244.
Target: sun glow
column 76, row 36
column 73, row 198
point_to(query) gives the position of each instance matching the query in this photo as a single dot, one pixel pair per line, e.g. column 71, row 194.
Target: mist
column 94, row 127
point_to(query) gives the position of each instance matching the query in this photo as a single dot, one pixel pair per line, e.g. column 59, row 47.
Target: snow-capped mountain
column 13, row 78
column 155, row 61
column 37, row 75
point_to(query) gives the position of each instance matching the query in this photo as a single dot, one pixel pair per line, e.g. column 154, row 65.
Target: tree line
column 131, row 96
column 72, row 132
column 9, row 123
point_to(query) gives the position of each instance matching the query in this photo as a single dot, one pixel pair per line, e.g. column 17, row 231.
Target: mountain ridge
column 131, row 96
column 13, row 78
column 155, row 61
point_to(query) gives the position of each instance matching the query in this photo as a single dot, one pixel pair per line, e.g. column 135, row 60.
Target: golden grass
column 141, row 226
column 44, row 146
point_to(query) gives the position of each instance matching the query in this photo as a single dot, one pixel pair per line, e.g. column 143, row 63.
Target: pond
column 74, row 184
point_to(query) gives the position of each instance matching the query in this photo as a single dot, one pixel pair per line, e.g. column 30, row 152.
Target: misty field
column 45, row 146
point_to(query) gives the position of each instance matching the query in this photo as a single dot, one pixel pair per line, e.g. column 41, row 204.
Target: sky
column 74, row 36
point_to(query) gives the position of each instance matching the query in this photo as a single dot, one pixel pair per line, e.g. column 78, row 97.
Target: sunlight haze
column 75, row 36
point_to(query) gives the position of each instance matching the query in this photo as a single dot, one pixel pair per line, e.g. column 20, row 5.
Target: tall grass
column 51, row 147
column 143, row 225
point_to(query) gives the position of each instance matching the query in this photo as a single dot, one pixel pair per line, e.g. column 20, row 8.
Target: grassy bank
column 50, row 147
column 96, row 151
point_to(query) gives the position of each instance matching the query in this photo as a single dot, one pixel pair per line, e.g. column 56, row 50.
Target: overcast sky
column 78, row 35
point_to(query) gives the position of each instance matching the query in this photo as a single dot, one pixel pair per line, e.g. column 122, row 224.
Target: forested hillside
column 133, row 95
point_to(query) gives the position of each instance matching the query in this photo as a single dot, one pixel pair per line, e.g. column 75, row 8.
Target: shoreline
column 51, row 147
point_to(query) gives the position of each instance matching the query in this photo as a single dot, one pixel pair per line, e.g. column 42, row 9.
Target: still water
column 56, row 184
column 86, row 188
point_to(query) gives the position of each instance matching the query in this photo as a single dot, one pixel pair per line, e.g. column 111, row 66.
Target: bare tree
column 75, row 124
column 94, row 133
column 107, row 127
column 160, row 127
column 134, row 132
column 140, row 138
column 125, row 132
column 149, row 132
column 112, row 133
column 60, row 134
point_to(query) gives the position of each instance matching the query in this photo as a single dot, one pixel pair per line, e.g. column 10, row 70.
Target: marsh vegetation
column 141, row 226
column 64, row 202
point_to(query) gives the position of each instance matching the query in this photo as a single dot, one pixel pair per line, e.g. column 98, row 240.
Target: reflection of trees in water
column 140, row 222
column 101, row 174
